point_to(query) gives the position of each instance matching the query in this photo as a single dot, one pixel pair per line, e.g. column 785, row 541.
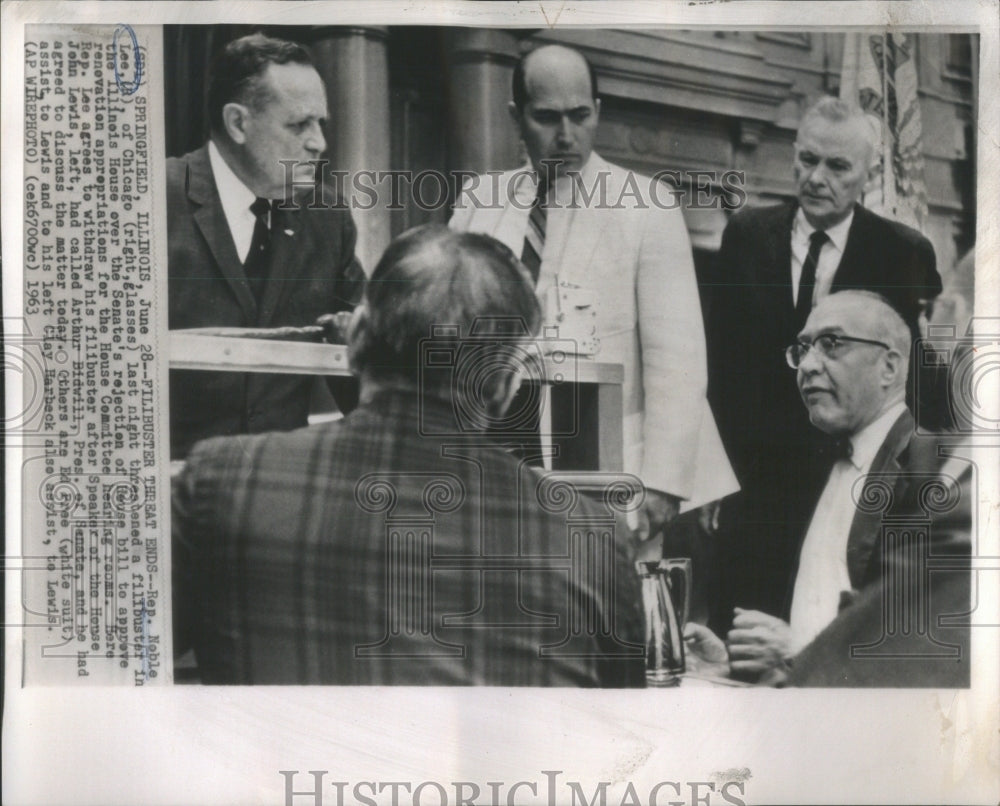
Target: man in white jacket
column 598, row 234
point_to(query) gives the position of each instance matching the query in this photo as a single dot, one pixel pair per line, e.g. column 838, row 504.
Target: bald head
column 553, row 57
column 848, row 384
column 555, row 109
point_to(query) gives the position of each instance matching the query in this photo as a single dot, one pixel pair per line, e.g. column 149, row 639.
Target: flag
column 880, row 75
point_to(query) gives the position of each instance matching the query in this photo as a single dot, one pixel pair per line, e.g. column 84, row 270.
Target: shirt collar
column 235, row 196
column 865, row 443
column 562, row 193
column 837, row 233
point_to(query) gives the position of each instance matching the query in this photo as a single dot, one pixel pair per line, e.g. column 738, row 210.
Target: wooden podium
column 597, row 446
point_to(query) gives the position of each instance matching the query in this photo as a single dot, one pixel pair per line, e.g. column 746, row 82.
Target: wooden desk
column 599, row 383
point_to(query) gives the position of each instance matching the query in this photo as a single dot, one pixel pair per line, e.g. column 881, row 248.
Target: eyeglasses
column 828, row 344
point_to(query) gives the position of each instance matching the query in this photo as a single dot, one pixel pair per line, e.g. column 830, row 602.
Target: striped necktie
column 534, row 236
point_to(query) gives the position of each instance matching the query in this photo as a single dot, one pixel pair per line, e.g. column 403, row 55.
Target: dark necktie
column 257, row 260
column 839, row 448
column 843, row 449
column 534, row 237
column 807, row 282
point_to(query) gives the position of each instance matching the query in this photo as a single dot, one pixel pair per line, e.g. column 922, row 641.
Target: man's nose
column 810, row 363
column 315, row 142
column 817, row 175
column 565, row 130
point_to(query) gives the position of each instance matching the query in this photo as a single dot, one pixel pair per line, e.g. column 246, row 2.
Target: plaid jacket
column 382, row 549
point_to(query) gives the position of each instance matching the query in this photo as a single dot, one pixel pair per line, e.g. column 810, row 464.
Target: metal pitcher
column 666, row 594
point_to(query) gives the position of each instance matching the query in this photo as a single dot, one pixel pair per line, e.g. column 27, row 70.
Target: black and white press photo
column 481, row 403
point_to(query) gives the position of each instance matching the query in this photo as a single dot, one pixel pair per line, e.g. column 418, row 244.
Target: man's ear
column 515, row 114
column 874, row 170
column 507, row 385
column 893, row 367
column 357, row 339
column 234, row 121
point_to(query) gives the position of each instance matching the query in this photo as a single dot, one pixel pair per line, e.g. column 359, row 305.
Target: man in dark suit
column 837, row 658
column 852, row 364
column 775, row 263
column 400, row 545
column 249, row 246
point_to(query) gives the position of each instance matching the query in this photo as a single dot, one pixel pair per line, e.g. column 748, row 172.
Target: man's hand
column 759, row 646
column 705, row 651
column 657, row 510
column 335, row 326
column 708, row 517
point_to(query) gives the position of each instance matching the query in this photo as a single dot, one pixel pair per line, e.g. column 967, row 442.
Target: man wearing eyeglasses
column 774, row 265
column 851, row 362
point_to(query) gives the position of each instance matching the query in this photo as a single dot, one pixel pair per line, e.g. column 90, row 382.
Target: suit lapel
column 849, row 271
column 211, row 221
column 778, row 256
column 575, row 238
column 573, row 244
column 866, row 528
column 507, row 221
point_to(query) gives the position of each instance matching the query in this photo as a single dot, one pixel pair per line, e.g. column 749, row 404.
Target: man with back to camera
column 351, row 552
column 583, row 224
column 245, row 247
column 852, row 363
column 775, row 263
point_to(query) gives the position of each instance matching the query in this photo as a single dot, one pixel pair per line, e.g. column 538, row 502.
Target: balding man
column 595, row 234
column 774, row 265
column 397, row 545
column 851, row 361
column 248, row 245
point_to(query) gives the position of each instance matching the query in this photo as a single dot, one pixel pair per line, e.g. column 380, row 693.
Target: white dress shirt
column 236, row 199
column 631, row 257
column 567, row 194
column 829, row 255
column 823, row 571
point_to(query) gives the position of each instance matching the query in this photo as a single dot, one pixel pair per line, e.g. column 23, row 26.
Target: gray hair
column 435, row 283
column 834, row 110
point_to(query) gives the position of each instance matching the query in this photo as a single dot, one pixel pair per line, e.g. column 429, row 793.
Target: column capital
column 378, row 33
column 484, row 44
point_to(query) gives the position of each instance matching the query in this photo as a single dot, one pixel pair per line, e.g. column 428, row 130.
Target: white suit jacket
column 629, row 244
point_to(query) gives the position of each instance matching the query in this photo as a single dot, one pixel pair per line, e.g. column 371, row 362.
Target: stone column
column 354, row 64
column 483, row 137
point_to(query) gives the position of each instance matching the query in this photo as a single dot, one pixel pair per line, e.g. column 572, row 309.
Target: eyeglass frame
column 836, row 337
